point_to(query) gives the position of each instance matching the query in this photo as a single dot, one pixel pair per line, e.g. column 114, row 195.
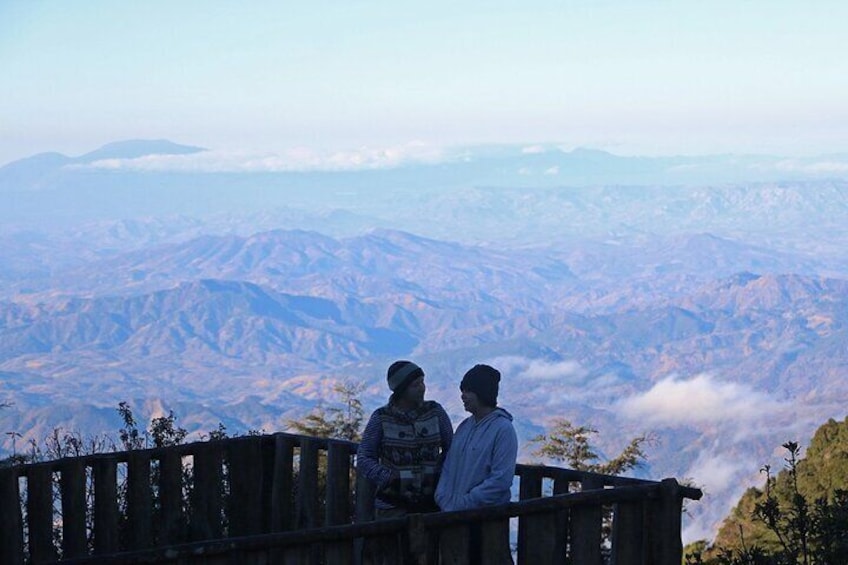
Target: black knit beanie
column 401, row 374
column 483, row 381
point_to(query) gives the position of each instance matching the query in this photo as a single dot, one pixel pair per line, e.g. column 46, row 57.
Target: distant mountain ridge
column 43, row 171
column 475, row 166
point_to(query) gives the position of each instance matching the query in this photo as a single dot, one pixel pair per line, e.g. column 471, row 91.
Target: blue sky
column 637, row 77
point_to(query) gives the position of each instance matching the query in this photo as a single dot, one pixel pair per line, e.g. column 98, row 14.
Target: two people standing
column 417, row 464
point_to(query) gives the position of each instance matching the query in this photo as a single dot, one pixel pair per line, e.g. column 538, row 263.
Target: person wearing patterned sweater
column 401, row 453
column 404, row 444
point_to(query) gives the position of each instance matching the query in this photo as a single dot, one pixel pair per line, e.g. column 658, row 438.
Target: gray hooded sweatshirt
column 480, row 465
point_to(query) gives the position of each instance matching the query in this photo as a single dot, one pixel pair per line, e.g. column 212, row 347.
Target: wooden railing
column 284, row 498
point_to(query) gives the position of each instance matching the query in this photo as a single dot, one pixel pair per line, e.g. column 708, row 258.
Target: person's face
column 415, row 391
column 470, row 401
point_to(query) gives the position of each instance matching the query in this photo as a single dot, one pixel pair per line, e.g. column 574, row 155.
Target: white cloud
column 717, row 472
column 700, row 400
column 538, row 369
column 812, row 167
column 298, row 159
column 533, row 149
column 723, row 477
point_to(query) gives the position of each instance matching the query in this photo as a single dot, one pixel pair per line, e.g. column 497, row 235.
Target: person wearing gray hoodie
column 480, row 466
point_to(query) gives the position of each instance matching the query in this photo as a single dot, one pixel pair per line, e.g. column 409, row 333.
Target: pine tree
column 343, row 421
column 571, row 445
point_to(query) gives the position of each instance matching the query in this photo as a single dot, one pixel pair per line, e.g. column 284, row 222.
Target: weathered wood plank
column 306, row 504
column 494, row 543
column 536, row 537
column 269, row 457
column 363, row 512
column 244, row 457
column 338, row 484
column 206, row 494
column 562, row 523
column 665, row 525
column 74, row 509
column 105, row 506
column 364, row 499
column 337, row 509
column 455, row 545
column 282, row 484
column 40, row 514
column 139, row 501
column 586, row 525
column 628, row 533
column 170, row 498
column 11, row 519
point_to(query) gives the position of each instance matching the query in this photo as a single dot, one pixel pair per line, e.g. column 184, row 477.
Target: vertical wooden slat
column 586, row 528
column 454, row 545
column 364, row 499
column 307, row 514
column 170, row 497
column 536, row 537
column 72, row 484
column 282, row 492
column 268, row 446
column 40, row 513
column 562, row 523
column 206, row 500
column 245, row 463
column 363, row 512
column 139, row 501
column 418, row 538
column 105, row 505
column 306, row 505
column 283, row 484
column 665, row 524
column 11, row 520
column 627, row 534
column 338, row 484
column 494, row 543
column 338, row 499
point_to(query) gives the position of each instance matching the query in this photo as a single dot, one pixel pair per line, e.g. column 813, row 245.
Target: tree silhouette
column 570, row 444
column 343, row 421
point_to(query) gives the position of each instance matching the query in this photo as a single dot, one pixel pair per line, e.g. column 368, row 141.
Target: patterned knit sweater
column 409, row 446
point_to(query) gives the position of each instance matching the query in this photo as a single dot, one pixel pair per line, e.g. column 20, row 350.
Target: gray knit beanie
column 401, row 374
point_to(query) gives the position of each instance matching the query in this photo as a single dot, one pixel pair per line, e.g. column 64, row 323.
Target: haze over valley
column 710, row 313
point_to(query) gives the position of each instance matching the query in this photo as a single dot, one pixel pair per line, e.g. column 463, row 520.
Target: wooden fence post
column 562, row 522
column 586, row 528
column 537, row 535
column 338, row 498
column 40, row 513
column 307, row 513
column 74, row 509
column 245, row 464
column 11, row 520
column 206, row 499
column 170, row 497
column 628, row 547
column 363, row 512
column 306, row 506
column 666, row 524
column 105, row 505
column 139, row 500
column 282, row 484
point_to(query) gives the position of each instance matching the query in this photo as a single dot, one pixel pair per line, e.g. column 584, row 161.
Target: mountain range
column 710, row 315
